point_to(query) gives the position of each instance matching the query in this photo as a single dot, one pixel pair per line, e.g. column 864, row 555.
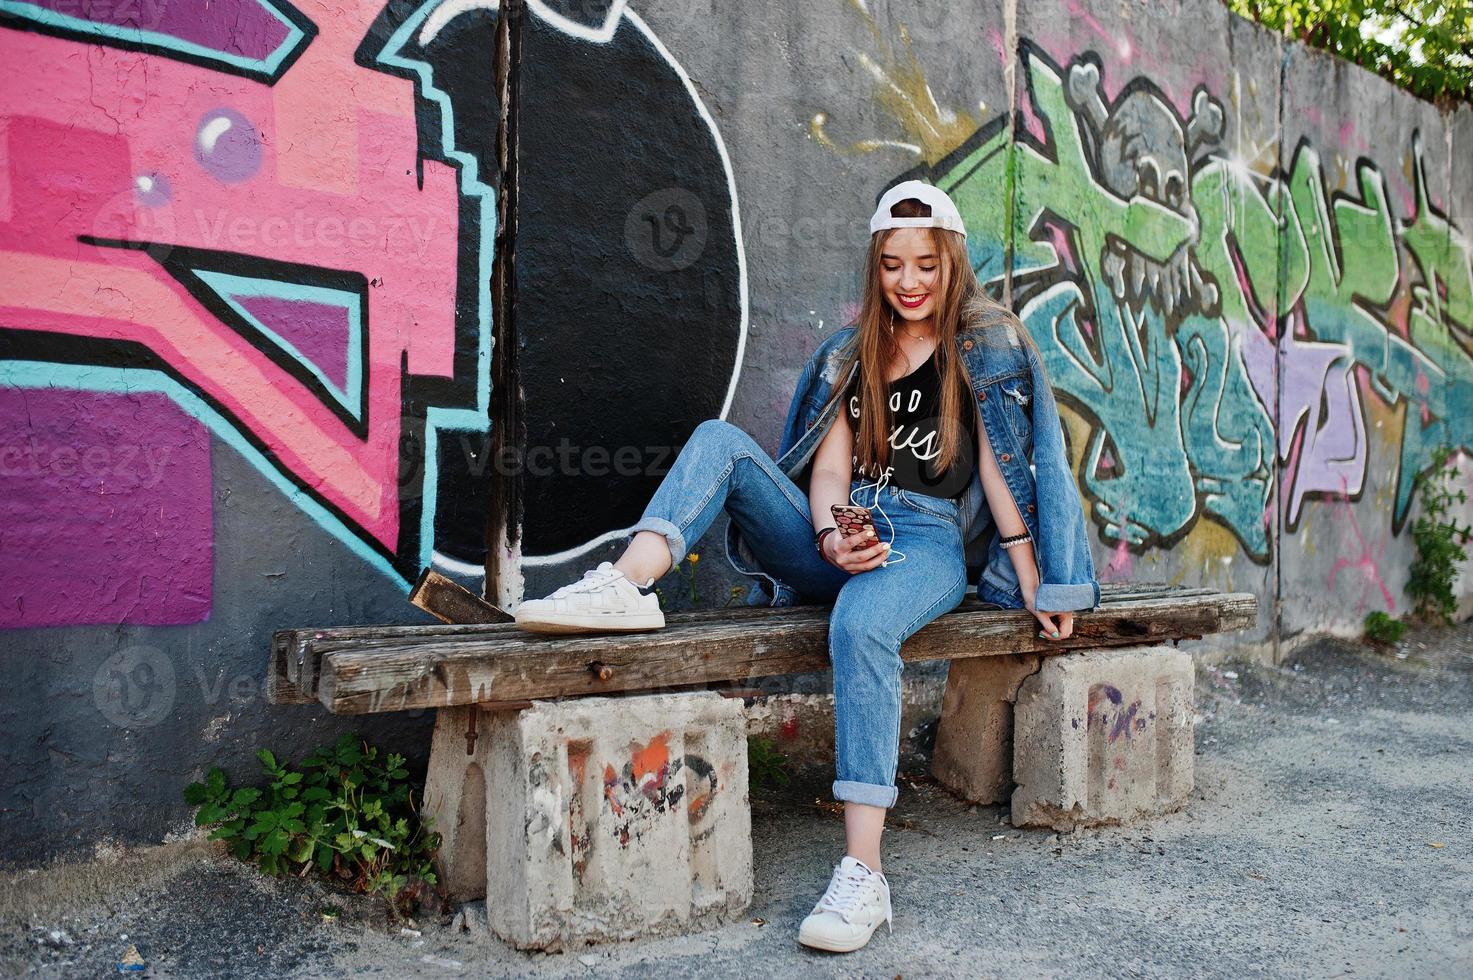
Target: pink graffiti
column 320, row 169
column 106, row 507
column 1113, row 40
column 1120, row 566
column 1365, row 559
column 1424, row 386
column 999, row 46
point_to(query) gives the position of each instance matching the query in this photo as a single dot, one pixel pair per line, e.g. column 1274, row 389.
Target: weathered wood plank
column 306, row 647
column 280, row 689
column 409, row 673
column 301, row 641
column 372, row 633
column 451, row 603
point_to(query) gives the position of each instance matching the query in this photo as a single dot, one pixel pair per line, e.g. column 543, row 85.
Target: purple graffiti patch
column 1114, row 723
column 242, row 28
column 318, row 330
column 105, row 508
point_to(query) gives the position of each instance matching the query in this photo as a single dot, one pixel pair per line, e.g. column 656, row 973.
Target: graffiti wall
column 1248, row 268
column 268, row 261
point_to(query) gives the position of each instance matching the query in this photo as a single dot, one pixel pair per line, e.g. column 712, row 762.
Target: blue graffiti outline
column 228, row 287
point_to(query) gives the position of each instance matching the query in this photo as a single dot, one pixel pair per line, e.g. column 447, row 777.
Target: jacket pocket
column 1017, row 395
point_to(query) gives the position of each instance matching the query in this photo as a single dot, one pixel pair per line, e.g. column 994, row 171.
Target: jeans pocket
column 933, row 506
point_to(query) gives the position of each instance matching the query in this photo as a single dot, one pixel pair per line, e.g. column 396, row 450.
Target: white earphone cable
column 895, row 556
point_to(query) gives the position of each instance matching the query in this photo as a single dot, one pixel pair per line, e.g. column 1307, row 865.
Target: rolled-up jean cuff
column 1061, row 597
column 672, row 534
column 870, row 794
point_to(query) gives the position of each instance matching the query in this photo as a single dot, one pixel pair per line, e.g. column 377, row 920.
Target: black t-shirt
column 915, row 442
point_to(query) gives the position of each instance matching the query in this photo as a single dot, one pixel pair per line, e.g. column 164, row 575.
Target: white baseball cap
column 943, row 210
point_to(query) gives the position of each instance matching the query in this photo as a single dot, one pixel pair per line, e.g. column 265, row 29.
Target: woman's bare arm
column 828, row 484
column 1009, row 522
column 833, row 471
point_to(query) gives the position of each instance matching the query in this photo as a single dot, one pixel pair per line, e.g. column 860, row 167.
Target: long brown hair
column 962, row 306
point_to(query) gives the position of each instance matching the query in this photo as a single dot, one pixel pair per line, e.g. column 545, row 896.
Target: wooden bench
column 483, row 677
column 371, row 669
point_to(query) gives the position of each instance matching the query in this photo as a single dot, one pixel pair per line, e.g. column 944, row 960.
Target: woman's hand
column 1056, row 626
column 856, row 554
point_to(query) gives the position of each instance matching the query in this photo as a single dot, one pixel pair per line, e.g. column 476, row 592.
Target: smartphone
column 852, row 520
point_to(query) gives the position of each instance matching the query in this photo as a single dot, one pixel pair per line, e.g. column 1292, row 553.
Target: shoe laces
column 592, row 580
column 846, row 892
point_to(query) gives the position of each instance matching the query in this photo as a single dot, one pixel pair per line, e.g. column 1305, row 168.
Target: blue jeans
column 722, row 467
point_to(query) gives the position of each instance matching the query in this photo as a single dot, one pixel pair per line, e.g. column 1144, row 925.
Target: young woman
column 932, row 411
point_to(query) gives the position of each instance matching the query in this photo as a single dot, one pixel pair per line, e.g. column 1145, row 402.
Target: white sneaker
column 603, row 600
column 856, row 902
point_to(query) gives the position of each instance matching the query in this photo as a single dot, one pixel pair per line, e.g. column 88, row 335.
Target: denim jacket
column 1017, row 408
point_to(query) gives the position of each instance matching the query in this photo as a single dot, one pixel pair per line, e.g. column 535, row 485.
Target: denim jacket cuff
column 1052, row 597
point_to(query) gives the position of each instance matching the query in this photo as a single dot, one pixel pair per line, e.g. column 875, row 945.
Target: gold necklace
column 906, row 354
column 903, row 330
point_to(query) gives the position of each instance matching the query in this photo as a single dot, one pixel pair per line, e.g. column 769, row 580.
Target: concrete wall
column 258, row 256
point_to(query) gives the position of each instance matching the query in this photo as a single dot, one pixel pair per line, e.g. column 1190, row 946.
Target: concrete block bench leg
column 974, row 742
column 604, row 818
column 1103, row 737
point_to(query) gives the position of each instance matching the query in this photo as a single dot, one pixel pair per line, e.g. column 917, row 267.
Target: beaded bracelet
column 1013, row 540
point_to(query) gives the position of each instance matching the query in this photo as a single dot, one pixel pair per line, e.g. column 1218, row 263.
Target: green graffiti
column 1217, row 327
